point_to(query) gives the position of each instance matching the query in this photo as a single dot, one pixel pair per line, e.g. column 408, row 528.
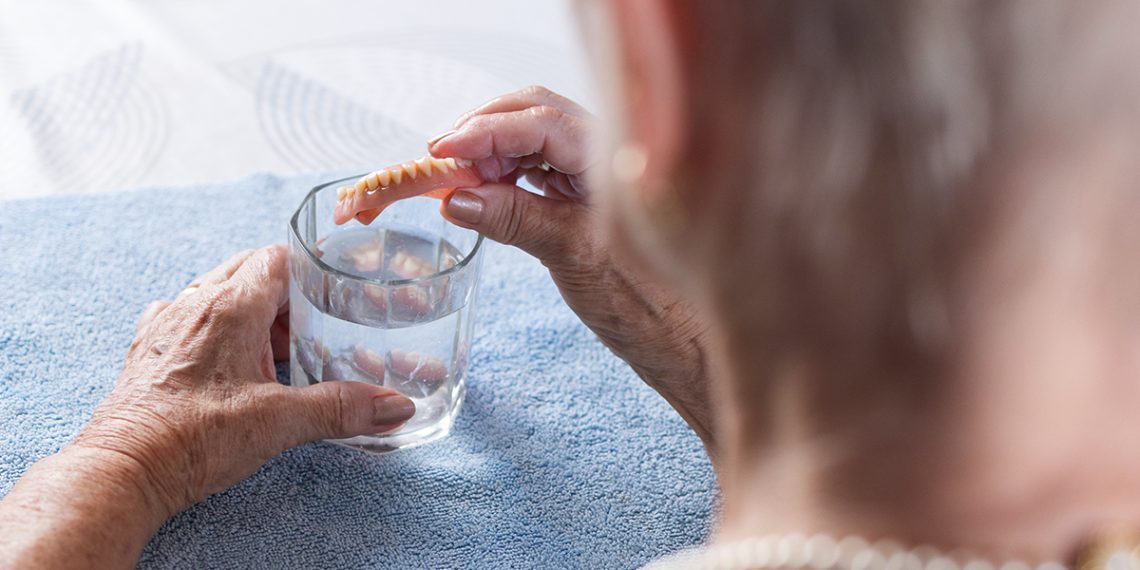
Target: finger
column 532, row 161
column 533, row 96
column 537, row 178
column 335, row 410
column 223, row 271
column 261, row 287
column 152, row 310
column 540, row 226
column 279, row 335
column 561, row 183
column 558, row 183
column 560, row 138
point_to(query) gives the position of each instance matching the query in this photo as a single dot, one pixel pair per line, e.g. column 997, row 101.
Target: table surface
column 560, row 457
column 99, row 95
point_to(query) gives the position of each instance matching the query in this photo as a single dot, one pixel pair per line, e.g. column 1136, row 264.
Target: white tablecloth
column 97, row 95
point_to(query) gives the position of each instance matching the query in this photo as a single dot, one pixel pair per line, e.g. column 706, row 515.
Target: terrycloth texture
column 561, row 458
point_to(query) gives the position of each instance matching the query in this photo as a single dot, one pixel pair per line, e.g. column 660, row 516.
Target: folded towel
column 560, row 458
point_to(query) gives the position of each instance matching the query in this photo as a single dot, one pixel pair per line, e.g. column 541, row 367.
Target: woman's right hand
column 543, row 136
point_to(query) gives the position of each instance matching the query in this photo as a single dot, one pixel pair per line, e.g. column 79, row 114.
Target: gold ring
column 189, row 289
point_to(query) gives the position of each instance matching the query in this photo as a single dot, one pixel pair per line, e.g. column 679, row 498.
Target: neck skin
column 1030, row 450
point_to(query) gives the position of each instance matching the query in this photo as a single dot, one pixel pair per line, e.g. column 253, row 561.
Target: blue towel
column 560, row 458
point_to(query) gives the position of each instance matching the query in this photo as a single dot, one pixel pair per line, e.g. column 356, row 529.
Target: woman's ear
column 636, row 46
column 650, row 35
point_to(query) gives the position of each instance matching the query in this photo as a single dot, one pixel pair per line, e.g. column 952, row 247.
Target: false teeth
column 394, row 175
column 369, row 362
column 409, row 266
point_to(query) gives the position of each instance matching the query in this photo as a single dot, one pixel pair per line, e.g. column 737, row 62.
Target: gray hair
column 858, row 138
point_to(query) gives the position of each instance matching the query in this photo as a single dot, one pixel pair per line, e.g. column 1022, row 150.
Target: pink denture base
column 365, row 199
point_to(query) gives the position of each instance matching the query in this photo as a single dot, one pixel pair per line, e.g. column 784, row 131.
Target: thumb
column 508, row 214
column 340, row 409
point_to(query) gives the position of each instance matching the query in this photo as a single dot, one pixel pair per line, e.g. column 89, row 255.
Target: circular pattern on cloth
column 99, row 127
column 365, row 101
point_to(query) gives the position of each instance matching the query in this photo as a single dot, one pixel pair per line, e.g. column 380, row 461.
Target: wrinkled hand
column 543, row 136
column 198, row 406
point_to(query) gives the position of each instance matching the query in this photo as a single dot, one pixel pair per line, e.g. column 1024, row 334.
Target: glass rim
column 295, row 234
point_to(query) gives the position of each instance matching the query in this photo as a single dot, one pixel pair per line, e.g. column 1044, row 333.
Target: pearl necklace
column 822, row 552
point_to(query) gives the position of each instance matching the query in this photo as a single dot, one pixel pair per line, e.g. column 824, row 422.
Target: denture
column 366, row 258
column 409, row 266
column 415, row 366
column 409, row 301
column 369, row 363
column 427, row 176
column 313, row 356
column 377, row 295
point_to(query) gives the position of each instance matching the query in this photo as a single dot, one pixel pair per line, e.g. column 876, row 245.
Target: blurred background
column 99, row 95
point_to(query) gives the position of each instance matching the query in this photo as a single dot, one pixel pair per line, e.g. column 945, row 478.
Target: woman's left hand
column 198, row 406
column 196, row 410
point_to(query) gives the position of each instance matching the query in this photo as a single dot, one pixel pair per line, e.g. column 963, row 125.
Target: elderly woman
column 907, row 308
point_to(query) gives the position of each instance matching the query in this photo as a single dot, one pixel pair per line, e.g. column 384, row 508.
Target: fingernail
column 388, row 410
column 440, row 137
column 465, row 207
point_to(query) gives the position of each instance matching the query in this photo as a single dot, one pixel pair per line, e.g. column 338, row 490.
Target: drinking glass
column 390, row 303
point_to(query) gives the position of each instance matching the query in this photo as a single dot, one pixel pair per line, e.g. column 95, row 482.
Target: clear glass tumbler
column 390, row 303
